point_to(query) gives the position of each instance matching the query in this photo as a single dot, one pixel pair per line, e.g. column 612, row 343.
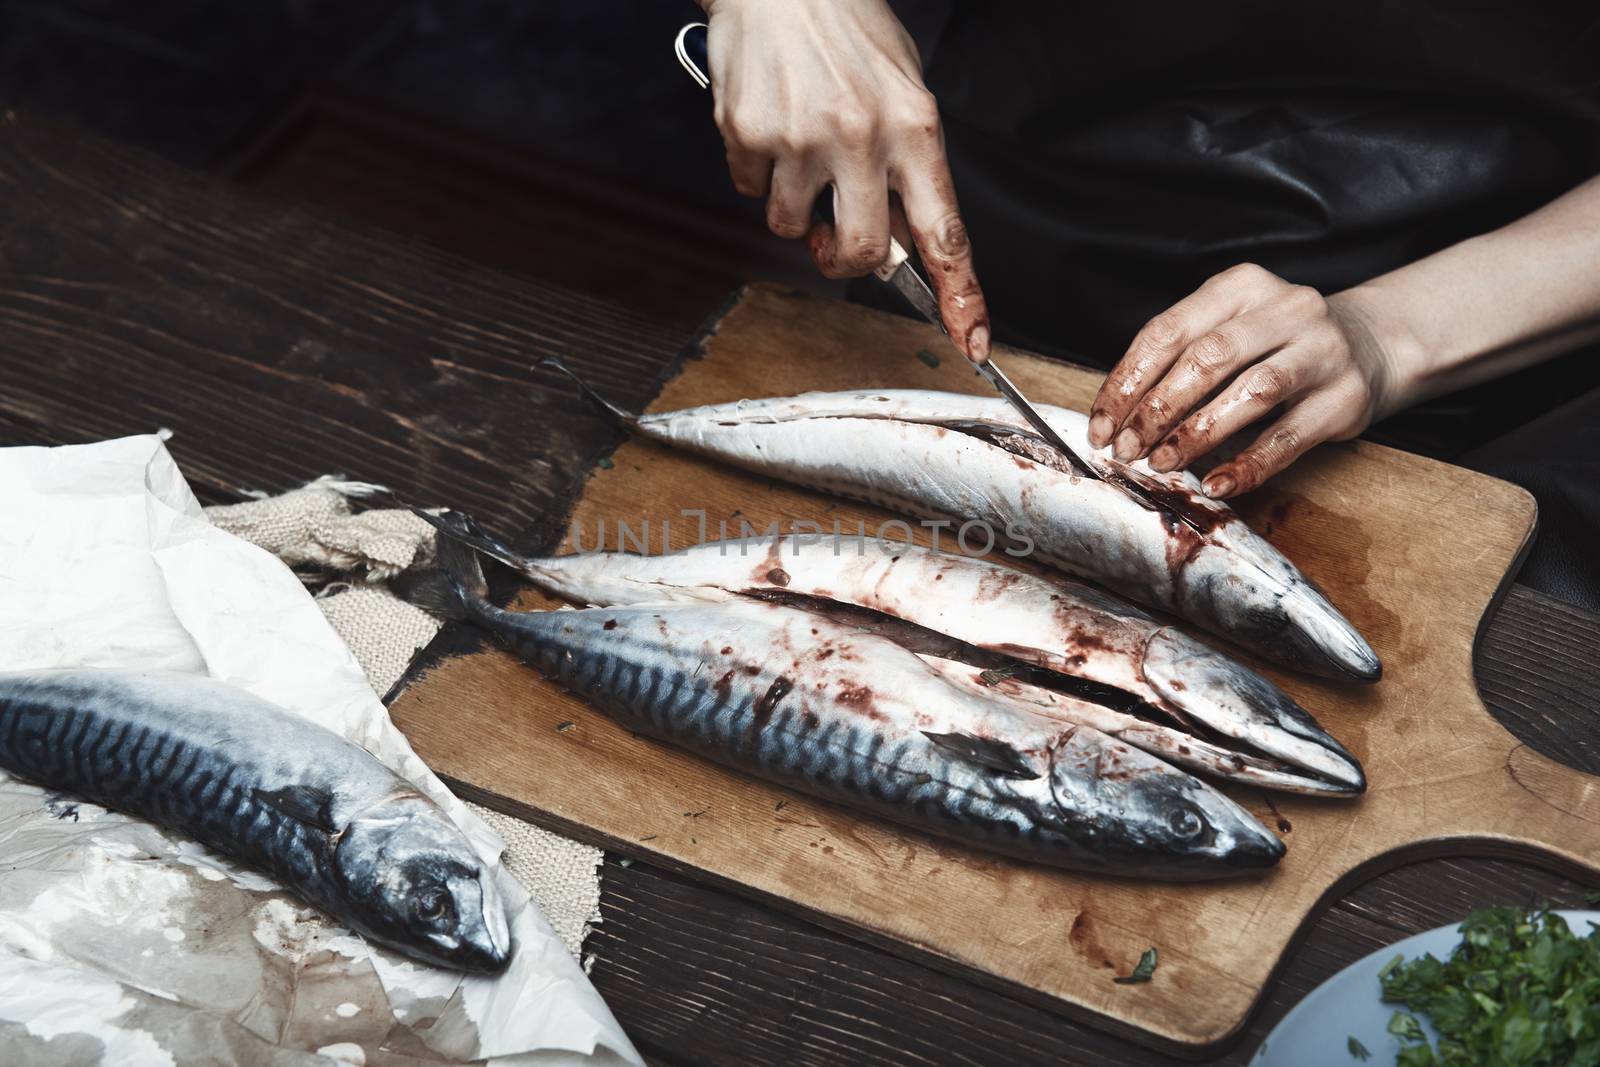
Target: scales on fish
column 1103, row 662
column 830, row 710
column 269, row 788
column 1154, row 537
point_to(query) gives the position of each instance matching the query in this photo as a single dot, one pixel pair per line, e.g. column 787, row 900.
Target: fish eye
column 1185, row 822
column 431, row 905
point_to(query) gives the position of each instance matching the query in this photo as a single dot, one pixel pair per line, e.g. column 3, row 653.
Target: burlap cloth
column 313, row 528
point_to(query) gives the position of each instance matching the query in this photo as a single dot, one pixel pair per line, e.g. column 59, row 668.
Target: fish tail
column 456, row 590
column 464, row 529
column 625, row 418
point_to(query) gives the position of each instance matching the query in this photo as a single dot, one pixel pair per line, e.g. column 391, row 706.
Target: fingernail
column 1100, row 427
column 1127, row 445
column 1218, row 485
column 978, row 343
column 1164, row 458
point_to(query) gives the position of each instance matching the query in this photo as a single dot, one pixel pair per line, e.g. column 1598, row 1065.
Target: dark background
column 512, row 131
column 558, row 139
column 592, row 85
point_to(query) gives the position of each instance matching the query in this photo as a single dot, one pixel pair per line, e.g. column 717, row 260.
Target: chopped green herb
column 1358, row 1050
column 1404, row 1025
column 1142, row 971
column 563, row 727
column 605, row 463
column 1520, row 990
column 996, row 674
column 923, row 778
column 1592, row 899
column 928, row 357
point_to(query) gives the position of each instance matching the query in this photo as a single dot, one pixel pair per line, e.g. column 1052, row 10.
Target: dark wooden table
column 279, row 346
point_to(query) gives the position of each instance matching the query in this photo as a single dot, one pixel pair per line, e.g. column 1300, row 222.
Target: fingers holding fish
column 1255, row 343
column 1278, row 446
column 1159, row 345
column 1201, row 369
column 1234, row 320
column 1317, row 400
column 1251, row 397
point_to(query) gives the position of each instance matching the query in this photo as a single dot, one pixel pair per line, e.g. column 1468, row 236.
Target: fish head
column 1234, row 701
column 1127, row 807
column 418, row 886
column 1243, row 587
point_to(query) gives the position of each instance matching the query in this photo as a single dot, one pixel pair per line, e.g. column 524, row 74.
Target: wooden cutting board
column 1413, row 551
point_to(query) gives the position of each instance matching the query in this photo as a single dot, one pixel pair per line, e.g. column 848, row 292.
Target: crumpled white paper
column 125, row 945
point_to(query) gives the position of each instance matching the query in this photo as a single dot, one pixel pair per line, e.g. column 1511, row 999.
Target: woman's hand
column 1245, row 344
column 1248, row 343
column 810, row 92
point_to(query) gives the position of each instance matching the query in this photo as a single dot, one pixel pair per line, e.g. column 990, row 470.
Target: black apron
column 1111, row 157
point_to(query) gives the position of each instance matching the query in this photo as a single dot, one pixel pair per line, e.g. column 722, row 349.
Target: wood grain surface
column 1411, row 549
column 279, row 347
column 135, row 295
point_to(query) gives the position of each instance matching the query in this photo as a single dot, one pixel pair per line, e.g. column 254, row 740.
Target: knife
column 897, row 271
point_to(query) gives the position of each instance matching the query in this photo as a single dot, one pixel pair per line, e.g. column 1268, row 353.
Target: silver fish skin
column 792, row 697
column 955, row 456
column 269, row 788
column 1060, row 625
column 1176, row 747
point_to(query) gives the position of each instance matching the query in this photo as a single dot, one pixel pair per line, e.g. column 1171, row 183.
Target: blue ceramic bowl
column 1317, row 1032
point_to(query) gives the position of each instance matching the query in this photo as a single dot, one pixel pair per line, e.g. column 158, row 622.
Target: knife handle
column 690, row 47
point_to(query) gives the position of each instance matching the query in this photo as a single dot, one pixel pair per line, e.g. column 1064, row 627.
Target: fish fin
column 302, row 803
column 588, row 391
column 991, row 755
column 465, row 528
column 453, row 590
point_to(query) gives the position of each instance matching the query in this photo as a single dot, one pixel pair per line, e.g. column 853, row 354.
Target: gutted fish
column 279, row 793
column 1153, row 537
column 1182, row 749
column 798, row 699
column 1130, row 660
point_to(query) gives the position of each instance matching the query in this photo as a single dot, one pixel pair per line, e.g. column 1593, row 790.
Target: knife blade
column 898, row 272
